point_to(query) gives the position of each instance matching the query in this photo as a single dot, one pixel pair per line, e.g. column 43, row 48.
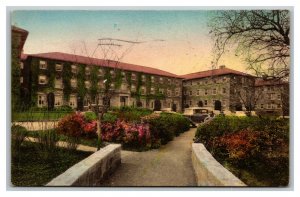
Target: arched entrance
column 50, row 100
column 157, row 105
column 218, row 105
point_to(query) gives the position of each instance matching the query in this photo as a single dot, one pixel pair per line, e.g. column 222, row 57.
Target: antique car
column 196, row 114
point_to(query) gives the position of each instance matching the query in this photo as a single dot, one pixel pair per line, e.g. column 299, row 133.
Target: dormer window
column 58, row 67
column 143, row 78
column 152, row 79
column 43, row 64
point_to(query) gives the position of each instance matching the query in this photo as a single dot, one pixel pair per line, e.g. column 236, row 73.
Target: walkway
column 170, row 165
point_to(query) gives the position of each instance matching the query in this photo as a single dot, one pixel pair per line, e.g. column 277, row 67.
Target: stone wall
column 208, row 171
column 92, row 170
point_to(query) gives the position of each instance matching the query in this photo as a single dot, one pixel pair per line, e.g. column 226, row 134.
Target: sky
column 171, row 40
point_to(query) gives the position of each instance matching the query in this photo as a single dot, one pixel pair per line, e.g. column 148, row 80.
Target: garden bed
column 31, row 168
column 254, row 149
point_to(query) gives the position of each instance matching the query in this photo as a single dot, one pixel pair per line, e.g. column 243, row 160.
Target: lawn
column 38, row 116
column 31, row 168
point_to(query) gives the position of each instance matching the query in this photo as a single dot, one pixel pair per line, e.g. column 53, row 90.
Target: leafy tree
column 262, row 37
column 15, row 71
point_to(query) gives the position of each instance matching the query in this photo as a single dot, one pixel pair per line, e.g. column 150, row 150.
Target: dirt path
column 170, row 165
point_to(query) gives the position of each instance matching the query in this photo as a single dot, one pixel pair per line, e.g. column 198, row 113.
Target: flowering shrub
column 259, row 146
column 76, row 125
column 130, row 134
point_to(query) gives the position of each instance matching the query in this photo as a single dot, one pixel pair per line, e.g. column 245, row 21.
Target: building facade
column 218, row 89
column 81, row 82
column 274, row 97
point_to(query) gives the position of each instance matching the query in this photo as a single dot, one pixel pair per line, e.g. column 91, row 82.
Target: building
column 56, row 79
column 217, row 89
column 273, row 97
column 80, row 82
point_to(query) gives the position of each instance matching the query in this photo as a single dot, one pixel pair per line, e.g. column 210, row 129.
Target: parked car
column 197, row 114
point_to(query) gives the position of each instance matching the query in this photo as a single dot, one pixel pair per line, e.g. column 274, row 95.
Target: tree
column 261, row 37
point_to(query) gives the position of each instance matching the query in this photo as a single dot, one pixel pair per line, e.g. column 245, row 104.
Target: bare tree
column 246, row 94
column 261, row 37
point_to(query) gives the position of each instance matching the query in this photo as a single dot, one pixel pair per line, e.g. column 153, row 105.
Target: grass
column 38, row 116
column 32, row 169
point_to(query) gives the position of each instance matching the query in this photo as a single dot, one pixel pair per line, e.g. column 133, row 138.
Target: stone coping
column 91, row 170
column 209, row 172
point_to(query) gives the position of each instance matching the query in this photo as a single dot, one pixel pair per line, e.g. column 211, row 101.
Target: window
column 278, row 106
column 133, row 76
column 273, row 96
column 161, row 80
column 42, row 79
column 191, row 103
column 152, row 78
column 142, row 90
column 152, row 91
column 261, row 106
column 205, row 91
column 205, row 102
column 191, row 83
column 198, row 92
column 123, row 86
column 74, row 68
column 279, row 96
column 224, row 79
column 169, row 92
column 21, row 79
column 21, row 65
column 112, row 72
column 191, row 93
column 133, row 87
column 58, row 67
column 112, row 86
column 169, row 81
column 224, row 90
column 269, row 106
column 73, row 101
column 100, row 72
column 58, row 83
column 58, row 100
column 177, row 91
column 161, row 91
column 73, row 83
column 214, row 91
column 143, row 78
column 43, row 64
column 42, row 100
column 87, row 70
column 152, row 104
column 87, row 84
column 101, row 84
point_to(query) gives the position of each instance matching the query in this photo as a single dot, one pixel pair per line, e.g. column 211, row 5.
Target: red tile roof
column 100, row 62
column 214, row 72
column 261, row 82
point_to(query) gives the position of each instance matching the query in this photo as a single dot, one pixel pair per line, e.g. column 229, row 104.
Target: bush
column 18, row 134
column 155, row 129
column 75, row 126
column 257, row 145
column 109, row 117
column 90, row 116
column 130, row 113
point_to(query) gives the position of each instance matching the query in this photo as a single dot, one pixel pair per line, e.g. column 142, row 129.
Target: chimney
column 222, row 66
